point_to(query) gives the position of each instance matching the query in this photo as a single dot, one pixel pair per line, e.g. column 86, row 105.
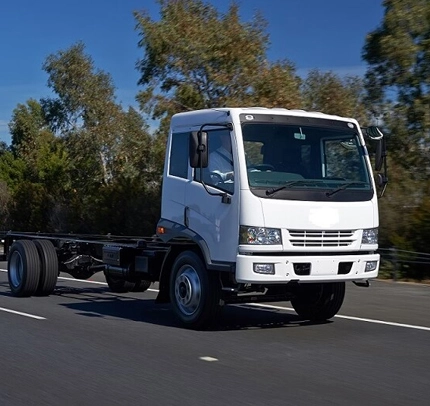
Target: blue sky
column 323, row 34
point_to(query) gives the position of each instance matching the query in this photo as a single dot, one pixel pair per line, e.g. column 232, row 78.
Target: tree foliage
column 33, row 169
column 398, row 78
column 107, row 145
column 398, row 91
column 70, row 153
column 195, row 57
column 332, row 94
column 90, row 120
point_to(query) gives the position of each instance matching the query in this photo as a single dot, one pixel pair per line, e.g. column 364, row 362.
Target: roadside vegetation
column 82, row 162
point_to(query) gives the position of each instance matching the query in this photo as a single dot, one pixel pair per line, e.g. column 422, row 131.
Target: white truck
column 257, row 205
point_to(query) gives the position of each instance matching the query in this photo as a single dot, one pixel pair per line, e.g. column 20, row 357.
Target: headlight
column 260, row 235
column 370, row 236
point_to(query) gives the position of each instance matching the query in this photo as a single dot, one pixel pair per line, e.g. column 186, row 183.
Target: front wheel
column 319, row 301
column 194, row 291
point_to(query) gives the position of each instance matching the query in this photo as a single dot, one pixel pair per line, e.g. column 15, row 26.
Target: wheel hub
column 188, row 290
column 16, row 269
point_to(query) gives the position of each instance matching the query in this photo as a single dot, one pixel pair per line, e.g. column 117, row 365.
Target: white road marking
column 262, row 305
column 85, row 281
column 389, row 323
column 208, row 359
column 31, row 316
column 339, row 316
column 270, row 306
column 81, row 280
column 95, row 282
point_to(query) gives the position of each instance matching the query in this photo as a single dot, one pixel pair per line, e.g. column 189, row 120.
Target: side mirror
column 381, row 180
column 374, row 133
column 198, row 149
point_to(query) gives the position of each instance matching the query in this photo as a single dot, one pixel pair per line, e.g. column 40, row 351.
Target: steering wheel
column 261, row 167
column 216, row 178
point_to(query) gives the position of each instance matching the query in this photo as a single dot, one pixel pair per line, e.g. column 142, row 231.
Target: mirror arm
column 384, row 176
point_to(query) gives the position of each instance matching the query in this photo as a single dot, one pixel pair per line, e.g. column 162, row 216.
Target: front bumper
column 330, row 268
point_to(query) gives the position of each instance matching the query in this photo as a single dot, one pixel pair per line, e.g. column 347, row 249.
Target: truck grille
column 311, row 238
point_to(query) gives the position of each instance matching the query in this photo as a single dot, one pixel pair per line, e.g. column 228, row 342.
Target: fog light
column 267, row 269
column 371, row 265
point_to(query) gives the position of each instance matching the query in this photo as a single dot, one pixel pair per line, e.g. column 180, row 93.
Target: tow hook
column 362, row 284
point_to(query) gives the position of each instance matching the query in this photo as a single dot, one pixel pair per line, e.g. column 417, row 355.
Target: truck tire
column 319, row 301
column 194, row 292
column 23, row 268
column 49, row 267
column 141, row 286
column 118, row 285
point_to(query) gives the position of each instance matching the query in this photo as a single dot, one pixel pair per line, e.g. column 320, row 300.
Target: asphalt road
column 84, row 345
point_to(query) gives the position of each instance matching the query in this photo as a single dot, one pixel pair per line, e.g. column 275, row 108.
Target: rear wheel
column 118, row 285
column 141, row 286
column 194, row 291
column 319, row 301
column 23, row 268
column 49, row 267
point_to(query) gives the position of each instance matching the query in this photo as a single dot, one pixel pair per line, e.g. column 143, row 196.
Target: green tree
column 4, row 205
column 35, row 170
column 332, row 94
column 418, row 236
column 396, row 208
column 107, row 147
column 85, row 112
column 398, row 90
column 420, row 221
column 398, row 79
column 12, row 170
column 27, row 122
column 195, row 57
column 276, row 85
column 34, row 143
column 134, row 158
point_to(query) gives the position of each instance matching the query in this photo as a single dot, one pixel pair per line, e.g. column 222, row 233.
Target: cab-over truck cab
column 266, row 205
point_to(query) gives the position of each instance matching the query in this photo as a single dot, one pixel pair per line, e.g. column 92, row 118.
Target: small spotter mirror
column 374, row 133
column 349, row 145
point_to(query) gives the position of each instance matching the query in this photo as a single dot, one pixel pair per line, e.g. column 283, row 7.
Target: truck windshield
column 323, row 160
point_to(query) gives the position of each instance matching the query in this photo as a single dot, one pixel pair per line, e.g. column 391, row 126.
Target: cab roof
column 228, row 114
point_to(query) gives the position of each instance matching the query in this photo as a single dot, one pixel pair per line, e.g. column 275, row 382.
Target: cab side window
column 220, row 170
column 178, row 165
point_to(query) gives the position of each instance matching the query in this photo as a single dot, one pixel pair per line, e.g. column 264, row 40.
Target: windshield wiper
column 343, row 187
column 270, row 192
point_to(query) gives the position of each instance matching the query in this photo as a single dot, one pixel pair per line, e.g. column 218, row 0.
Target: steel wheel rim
column 188, row 290
column 16, row 269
